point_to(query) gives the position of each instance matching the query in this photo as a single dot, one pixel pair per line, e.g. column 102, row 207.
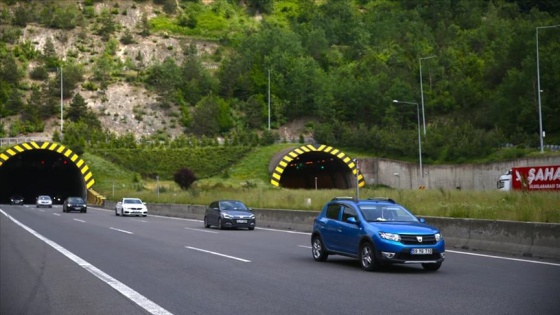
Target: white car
column 44, row 201
column 131, row 206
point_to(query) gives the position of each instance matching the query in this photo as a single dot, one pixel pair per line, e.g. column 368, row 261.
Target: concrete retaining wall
column 526, row 239
column 403, row 175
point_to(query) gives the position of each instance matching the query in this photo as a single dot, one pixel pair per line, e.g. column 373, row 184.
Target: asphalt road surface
column 97, row 263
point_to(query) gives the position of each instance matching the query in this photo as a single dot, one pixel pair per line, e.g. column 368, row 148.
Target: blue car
column 377, row 232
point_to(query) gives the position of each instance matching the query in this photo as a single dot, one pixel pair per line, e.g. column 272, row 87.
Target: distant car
column 229, row 214
column 377, row 232
column 16, row 200
column 44, row 201
column 57, row 200
column 74, row 204
column 131, row 206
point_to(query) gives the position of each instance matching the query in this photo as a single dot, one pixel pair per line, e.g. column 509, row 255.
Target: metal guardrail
column 13, row 141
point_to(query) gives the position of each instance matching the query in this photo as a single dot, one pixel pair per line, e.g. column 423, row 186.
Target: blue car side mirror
column 422, row 220
column 352, row 220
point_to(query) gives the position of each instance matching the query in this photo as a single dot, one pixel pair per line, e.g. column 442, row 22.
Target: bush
column 184, row 178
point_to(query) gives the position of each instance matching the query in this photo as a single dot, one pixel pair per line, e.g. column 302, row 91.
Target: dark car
column 377, row 232
column 74, row 204
column 16, row 200
column 229, row 214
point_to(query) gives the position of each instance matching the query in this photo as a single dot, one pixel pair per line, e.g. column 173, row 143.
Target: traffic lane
column 37, row 279
column 277, row 271
column 151, row 267
column 276, row 253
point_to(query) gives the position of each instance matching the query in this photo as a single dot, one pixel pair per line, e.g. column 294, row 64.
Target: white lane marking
column 504, row 258
column 304, row 246
column 123, row 231
column 201, row 230
column 79, row 220
column 307, row 233
column 217, row 254
column 132, row 295
column 58, row 214
column 40, row 210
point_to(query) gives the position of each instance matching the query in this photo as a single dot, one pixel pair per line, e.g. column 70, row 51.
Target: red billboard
column 536, row 178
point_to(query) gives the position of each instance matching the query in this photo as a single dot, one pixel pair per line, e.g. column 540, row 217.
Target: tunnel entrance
column 315, row 167
column 42, row 168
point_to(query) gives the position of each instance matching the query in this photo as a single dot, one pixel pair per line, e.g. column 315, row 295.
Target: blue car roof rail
column 386, row 199
column 343, row 198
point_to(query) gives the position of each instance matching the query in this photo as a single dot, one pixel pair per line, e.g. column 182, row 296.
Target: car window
column 386, row 213
column 348, row 212
column 239, row 206
column 136, row 201
column 224, row 205
column 332, row 211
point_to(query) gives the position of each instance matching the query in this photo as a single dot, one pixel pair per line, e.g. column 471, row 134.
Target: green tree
column 164, row 78
column 207, row 116
column 49, row 56
column 106, row 25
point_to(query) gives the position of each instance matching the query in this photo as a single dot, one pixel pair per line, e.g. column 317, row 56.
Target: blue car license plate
column 241, row 221
column 421, row 251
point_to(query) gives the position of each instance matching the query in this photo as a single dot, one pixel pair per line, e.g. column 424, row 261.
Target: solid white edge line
column 128, row 292
column 79, row 220
column 217, row 254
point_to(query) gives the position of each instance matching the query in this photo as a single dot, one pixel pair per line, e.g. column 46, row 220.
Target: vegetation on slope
column 339, row 62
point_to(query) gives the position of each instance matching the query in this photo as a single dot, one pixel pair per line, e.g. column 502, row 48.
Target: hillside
column 153, row 71
column 122, row 107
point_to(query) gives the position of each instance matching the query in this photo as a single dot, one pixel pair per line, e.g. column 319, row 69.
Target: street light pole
column 539, row 86
column 422, row 91
column 61, row 103
column 269, row 99
column 421, row 178
column 357, row 179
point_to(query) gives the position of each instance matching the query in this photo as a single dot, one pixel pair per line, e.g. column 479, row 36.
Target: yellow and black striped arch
column 286, row 159
column 54, row 147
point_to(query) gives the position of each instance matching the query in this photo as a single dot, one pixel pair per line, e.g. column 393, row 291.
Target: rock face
column 121, row 107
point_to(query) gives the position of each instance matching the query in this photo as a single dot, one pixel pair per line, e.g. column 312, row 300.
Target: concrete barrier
column 526, row 239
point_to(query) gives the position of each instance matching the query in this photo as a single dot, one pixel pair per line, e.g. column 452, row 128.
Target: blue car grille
column 414, row 239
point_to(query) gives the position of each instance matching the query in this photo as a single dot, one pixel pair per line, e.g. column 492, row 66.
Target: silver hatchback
column 44, row 201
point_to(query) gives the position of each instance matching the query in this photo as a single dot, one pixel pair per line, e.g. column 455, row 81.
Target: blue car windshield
column 382, row 213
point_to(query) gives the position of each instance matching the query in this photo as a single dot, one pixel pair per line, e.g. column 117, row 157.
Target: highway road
column 97, row 263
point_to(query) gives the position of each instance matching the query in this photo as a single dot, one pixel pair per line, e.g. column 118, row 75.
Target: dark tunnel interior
column 40, row 172
column 317, row 170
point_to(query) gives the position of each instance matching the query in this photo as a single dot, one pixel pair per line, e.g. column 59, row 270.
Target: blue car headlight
column 227, row 216
column 439, row 237
column 390, row 236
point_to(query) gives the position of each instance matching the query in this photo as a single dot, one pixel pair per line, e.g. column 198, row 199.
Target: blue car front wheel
column 367, row 257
